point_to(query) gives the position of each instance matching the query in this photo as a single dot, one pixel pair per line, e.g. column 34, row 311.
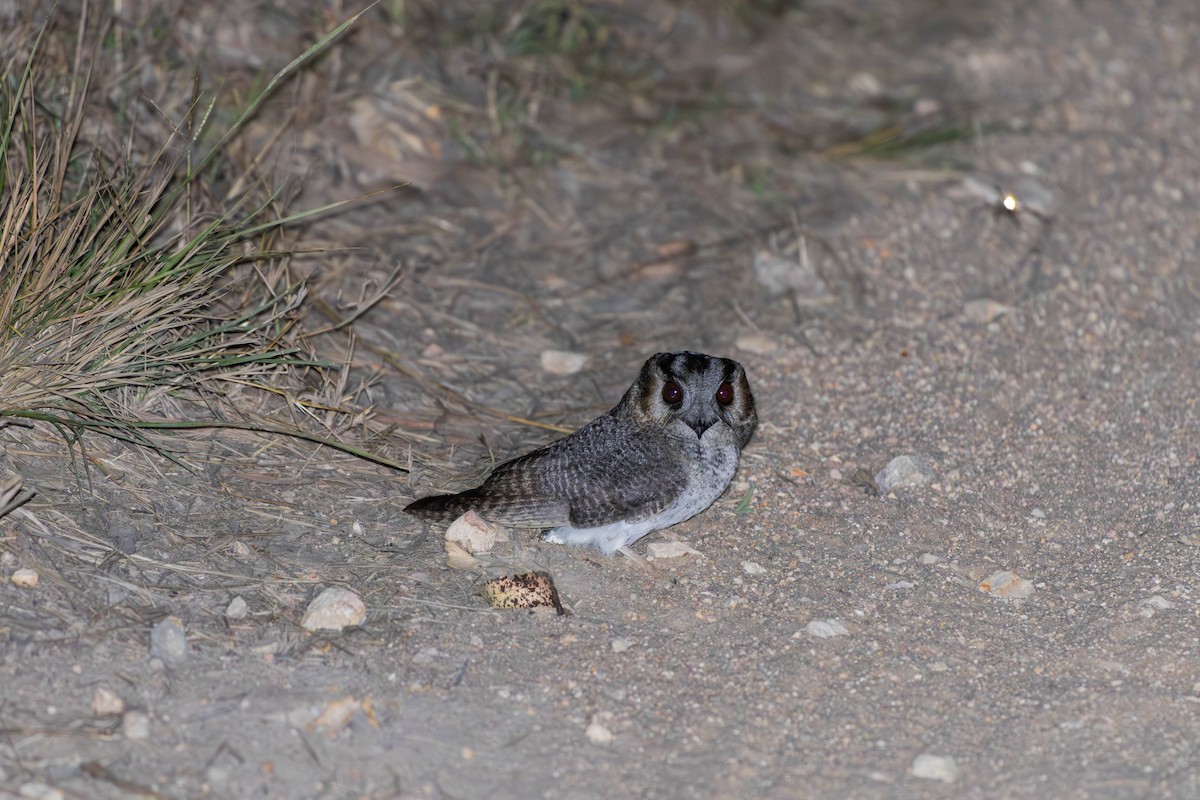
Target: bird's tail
column 442, row 506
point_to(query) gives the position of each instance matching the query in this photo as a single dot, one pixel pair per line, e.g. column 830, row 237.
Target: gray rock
column 903, row 472
column 779, row 275
column 168, row 642
column 237, row 608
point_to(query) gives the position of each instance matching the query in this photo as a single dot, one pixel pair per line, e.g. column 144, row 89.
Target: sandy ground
column 829, row 640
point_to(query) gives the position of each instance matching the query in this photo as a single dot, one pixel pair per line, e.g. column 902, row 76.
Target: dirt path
column 1042, row 365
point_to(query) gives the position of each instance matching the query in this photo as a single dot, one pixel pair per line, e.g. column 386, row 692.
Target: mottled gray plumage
column 663, row 455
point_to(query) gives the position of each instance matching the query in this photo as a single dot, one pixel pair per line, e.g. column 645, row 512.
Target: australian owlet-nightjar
column 664, row 454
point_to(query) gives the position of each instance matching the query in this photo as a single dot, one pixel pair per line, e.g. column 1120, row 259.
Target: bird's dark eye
column 725, row 394
column 672, row 393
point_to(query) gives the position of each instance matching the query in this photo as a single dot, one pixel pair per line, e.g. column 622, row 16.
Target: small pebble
column 168, row 642
column 562, row 362
column 658, row 271
column 864, row 84
column 1037, row 513
column 334, row 609
column 39, row 791
column 475, row 534
column 930, row 558
column 136, row 725
column 935, row 768
column 779, row 275
column 620, row 645
column 598, row 734
column 757, row 343
column 825, row 628
column 1153, row 604
column 457, row 557
column 237, row 608
column 425, row 656
column 981, row 312
column 336, row 715
column 302, row 715
column 753, row 568
column 106, row 701
column 1006, row 585
column 25, row 578
column 903, row 472
column 669, row 550
column 926, row 106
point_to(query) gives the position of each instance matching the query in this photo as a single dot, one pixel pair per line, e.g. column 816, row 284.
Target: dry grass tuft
column 123, row 282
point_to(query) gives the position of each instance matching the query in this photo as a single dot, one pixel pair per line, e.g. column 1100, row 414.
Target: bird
column 663, row 455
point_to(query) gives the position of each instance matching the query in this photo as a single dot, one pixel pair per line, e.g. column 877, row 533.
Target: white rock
column 334, row 609
column 136, row 725
column 1006, row 585
column 457, row 557
column 562, row 362
column 981, row 312
column 106, row 701
column 757, row 343
column 669, row 550
column 237, row 608
column 825, row 628
column 753, row 568
column 25, row 578
column 864, row 84
column 902, row 472
column 475, row 534
column 935, row 768
column 598, row 734
column 620, row 645
column 926, row 106
column 35, row 790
